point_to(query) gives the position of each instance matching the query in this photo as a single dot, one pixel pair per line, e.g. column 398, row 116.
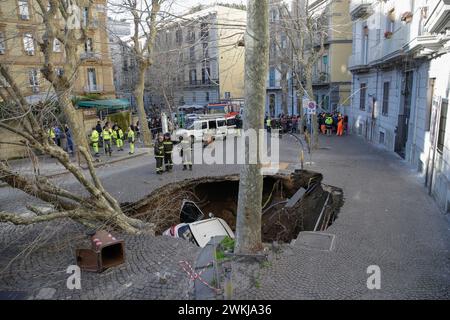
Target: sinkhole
column 291, row 203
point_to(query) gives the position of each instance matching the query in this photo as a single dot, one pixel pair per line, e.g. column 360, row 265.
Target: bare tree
column 145, row 24
column 306, row 31
column 248, row 224
column 92, row 206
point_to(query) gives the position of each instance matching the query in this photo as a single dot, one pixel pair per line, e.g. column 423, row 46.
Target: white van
column 204, row 129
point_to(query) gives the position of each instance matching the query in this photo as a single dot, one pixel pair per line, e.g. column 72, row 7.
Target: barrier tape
column 197, row 275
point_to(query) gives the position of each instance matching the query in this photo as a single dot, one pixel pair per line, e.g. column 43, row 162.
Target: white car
column 195, row 230
column 205, row 129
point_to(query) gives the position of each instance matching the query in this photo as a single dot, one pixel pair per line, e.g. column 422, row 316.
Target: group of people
column 108, row 134
column 164, row 152
column 62, row 137
column 284, row 123
column 330, row 123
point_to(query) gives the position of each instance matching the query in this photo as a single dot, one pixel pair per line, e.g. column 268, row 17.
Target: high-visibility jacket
column 328, row 121
column 130, row 136
column 117, row 134
column 94, row 136
column 186, row 145
column 51, row 133
column 106, row 134
column 268, row 122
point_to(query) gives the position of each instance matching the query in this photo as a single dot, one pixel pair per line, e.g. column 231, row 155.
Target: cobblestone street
column 408, row 238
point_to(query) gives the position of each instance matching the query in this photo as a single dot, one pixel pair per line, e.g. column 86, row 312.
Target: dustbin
column 106, row 252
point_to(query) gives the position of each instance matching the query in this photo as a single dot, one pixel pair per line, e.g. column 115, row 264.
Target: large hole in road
column 282, row 219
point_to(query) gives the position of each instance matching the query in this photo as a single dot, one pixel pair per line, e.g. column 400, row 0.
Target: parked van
column 205, row 129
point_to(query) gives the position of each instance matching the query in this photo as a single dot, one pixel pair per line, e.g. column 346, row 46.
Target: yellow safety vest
column 94, row 136
column 106, row 134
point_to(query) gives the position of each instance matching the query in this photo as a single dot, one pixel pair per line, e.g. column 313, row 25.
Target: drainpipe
column 413, row 149
column 435, row 139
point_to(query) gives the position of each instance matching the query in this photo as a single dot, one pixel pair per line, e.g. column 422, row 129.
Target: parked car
column 204, row 130
column 195, row 230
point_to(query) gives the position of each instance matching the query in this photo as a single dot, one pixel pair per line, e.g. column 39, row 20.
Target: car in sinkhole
column 196, row 229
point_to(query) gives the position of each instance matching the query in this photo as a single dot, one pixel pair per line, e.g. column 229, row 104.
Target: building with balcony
column 198, row 59
column 21, row 29
column 123, row 59
column 400, row 66
column 331, row 77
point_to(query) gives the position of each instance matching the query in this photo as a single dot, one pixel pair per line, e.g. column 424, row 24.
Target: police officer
column 130, row 137
column 269, row 125
column 168, row 148
column 159, row 154
column 94, row 140
column 106, row 136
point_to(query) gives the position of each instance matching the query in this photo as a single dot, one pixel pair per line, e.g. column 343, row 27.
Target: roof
column 105, row 104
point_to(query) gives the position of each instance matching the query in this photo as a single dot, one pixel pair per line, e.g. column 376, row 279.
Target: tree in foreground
column 248, row 224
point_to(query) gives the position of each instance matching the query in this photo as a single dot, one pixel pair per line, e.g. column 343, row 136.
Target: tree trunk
column 248, row 225
column 315, row 124
column 284, row 92
column 139, row 94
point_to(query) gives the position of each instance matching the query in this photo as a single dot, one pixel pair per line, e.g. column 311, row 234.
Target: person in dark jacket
column 159, row 154
column 168, row 149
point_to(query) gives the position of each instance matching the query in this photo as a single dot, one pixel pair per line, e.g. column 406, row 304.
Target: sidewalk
column 387, row 220
column 50, row 167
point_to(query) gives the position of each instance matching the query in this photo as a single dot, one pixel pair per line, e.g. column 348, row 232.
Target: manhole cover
column 315, row 240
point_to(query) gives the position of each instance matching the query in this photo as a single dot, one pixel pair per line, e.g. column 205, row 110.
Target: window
column 85, row 16
column 28, row 43
column 56, row 45
column 273, row 15
column 191, row 35
column 365, row 46
column 227, row 95
column 92, row 79
column 205, row 125
column 24, row 11
column 212, row 124
column 204, row 31
column 2, row 43
column 207, row 96
column 221, row 123
column 205, row 50
column 179, row 36
column 205, row 75
column 283, row 41
column 442, row 125
column 193, row 76
column 385, row 109
column 192, row 53
column 88, row 47
column 381, row 139
column 362, row 96
column 194, row 97
column 33, row 77
column 272, row 77
column 391, row 21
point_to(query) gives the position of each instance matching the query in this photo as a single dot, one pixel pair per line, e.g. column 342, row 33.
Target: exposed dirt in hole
column 219, row 196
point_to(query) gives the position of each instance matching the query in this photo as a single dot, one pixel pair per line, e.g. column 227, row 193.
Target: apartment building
column 20, row 30
column 123, row 61
column 401, row 81
column 280, row 94
column 198, row 59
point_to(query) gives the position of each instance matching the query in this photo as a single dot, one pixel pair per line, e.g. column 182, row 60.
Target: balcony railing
column 90, row 56
column 439, row 16
column 321, row 78
column 201, row 83
column 93, row 88
column 360, row 8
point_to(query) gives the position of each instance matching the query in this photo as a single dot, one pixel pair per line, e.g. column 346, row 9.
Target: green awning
column 111, row 104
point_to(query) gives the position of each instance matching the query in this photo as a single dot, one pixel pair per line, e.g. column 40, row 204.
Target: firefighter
column 107, row 136
column 186, row 152
column 94, row 140
column 159, row 154
column 118, row 136
column 130, row 137
column 168, row 148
